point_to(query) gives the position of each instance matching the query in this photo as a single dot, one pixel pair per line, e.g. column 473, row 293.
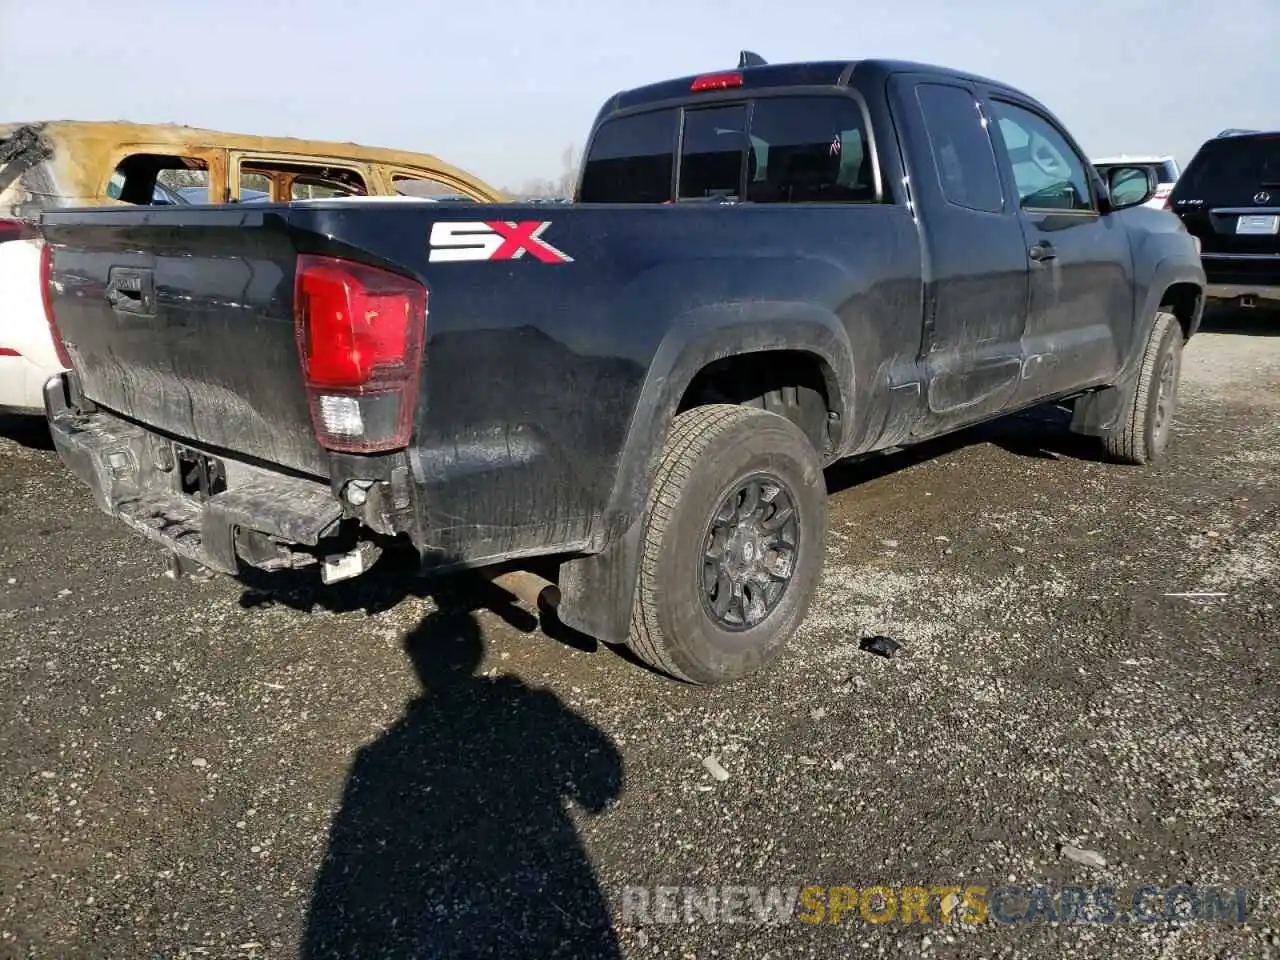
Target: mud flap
column 1095, row 414
column 596, row 592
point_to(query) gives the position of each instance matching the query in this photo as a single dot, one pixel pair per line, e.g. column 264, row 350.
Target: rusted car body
column 87, row 163
column 59, row 164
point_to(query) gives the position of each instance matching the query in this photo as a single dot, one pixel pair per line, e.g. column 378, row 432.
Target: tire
column 680, row 624
column 1142, row 434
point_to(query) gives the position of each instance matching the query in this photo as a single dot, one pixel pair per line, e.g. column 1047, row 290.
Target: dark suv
column 1229, row 199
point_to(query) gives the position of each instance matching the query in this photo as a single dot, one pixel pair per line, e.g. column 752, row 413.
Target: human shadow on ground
column 454, row 837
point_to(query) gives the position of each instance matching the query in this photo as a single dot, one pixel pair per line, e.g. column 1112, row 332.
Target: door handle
column 131, row 290
column 1041, row 251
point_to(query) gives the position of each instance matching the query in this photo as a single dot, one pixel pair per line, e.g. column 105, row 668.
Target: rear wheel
column 1143, row 433
column 733, row 546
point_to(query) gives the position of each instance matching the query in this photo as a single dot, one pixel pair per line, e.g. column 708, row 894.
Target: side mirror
column 1130, row 186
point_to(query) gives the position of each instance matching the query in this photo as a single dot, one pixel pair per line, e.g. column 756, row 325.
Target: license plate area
column 1258, row 225
column 200, row 475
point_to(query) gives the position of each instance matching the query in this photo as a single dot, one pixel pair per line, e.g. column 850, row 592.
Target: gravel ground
column 205, row 769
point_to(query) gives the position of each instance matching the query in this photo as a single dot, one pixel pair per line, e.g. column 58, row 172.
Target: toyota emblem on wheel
column 1262, row 197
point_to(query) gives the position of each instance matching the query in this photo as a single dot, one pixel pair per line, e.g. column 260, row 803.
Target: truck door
column 976, row 272
column 1081, row 306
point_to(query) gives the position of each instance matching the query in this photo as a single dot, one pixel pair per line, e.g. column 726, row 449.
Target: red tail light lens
column 716, row 81
column 46, row 296
column 360, row 331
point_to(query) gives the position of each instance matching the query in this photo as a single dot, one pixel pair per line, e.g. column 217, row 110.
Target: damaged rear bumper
column 263, row 518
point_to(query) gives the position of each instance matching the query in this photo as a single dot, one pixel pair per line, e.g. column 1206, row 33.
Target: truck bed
column 206, row 348
column 544, row 353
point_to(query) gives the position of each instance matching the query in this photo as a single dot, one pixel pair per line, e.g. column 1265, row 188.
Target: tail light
column 360, row 332
column 716, row 81
column 46, row 297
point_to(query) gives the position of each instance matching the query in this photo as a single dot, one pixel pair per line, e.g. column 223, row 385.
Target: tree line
column 548, row 188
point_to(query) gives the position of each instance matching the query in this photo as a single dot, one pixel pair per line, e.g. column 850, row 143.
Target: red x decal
column 525, row 237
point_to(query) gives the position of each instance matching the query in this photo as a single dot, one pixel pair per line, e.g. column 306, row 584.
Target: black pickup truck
column 765, row 270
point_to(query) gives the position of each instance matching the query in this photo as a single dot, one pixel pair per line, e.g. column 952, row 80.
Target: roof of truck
column 803, row 73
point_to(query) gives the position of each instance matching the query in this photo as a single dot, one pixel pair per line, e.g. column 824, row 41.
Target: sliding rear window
column 789, row 149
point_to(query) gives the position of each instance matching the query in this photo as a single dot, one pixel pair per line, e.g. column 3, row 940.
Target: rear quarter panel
column 548, row 387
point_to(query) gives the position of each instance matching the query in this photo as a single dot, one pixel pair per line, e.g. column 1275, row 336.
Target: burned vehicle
column 45, row 166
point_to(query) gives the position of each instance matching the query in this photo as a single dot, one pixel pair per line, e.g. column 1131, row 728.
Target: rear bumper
column 262, row 518
column 1237, row 291
column 1235, row 276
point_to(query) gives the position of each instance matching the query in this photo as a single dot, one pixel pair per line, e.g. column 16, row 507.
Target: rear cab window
column 712, row 153
column 776, row 149
column 632, row 159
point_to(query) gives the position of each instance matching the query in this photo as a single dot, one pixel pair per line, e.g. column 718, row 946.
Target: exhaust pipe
column 529, row 588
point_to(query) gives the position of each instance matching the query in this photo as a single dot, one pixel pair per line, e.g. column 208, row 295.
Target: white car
column 1166, row 171
column 27, row 354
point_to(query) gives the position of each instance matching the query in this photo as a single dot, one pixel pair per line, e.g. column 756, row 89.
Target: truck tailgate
column 182, row 320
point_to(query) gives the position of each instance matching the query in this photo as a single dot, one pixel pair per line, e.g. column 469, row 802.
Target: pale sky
column 502, row 88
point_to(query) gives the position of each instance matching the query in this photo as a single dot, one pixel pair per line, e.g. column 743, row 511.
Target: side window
column 809, row 150
column 317, row 188
column 301, row 180
column 254, row 187
column 1048, row 172
column 962, row 151
column 157, row 178
column 631, row 160
column 712, row 151
column 409, row 185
